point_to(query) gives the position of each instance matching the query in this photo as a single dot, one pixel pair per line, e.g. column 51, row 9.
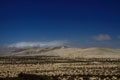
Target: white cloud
column 37, row 44
column 102, row 37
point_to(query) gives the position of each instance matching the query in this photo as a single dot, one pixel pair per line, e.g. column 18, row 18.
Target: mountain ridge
column 68, row 52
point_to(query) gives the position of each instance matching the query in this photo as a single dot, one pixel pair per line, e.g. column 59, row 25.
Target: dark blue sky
column 81, row 22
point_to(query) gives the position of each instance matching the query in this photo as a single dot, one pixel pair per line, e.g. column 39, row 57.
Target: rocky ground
column 57, row 68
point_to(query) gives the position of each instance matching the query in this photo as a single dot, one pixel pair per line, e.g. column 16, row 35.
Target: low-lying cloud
column 37, row 44
column 102, row 37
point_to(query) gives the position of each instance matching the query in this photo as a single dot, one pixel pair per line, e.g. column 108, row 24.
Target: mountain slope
column 67, row 52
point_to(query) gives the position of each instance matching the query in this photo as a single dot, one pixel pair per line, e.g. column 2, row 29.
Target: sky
column 78, row 23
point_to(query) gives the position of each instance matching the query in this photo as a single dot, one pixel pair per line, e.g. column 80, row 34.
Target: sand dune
column 68, row 52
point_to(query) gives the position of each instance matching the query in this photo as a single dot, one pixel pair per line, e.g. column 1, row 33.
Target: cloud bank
column 37, row 44
column 102, row 37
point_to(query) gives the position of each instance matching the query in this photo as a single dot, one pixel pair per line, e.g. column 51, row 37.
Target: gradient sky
column 83, row 23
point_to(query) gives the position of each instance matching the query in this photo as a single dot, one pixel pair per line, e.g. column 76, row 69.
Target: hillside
column 68, row 52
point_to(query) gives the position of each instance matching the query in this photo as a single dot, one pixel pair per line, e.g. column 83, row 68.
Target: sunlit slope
column 67, row 52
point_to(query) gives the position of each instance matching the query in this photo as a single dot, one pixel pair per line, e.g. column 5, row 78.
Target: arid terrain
column 67, row 52
column 61, row 63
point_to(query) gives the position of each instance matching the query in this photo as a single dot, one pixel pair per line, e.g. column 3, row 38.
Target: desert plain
column 61, row 63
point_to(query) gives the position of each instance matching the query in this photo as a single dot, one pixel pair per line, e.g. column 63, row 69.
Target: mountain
column 68, row 52
column 5, row 49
